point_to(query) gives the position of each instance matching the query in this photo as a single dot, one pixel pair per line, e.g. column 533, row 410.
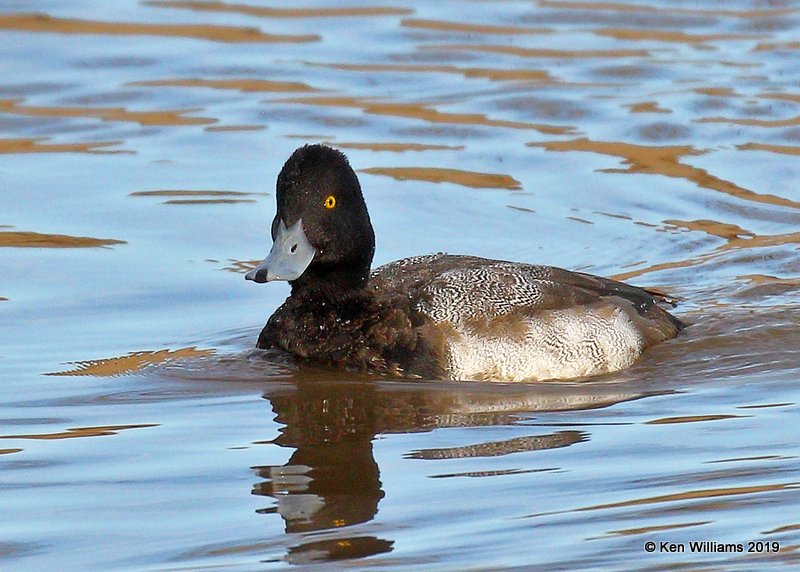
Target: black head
column 318, row 187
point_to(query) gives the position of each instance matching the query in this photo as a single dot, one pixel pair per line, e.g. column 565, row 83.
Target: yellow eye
column 330, row 202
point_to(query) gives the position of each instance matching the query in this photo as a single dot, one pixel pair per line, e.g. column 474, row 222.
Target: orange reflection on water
column 723, row 230
column 780, row 149
column 736, row 239
column 542, row 52
column 101, row 431
column 669, row 36
column 644, row 8
column 765, row 285
column 245, row 85
column 39, row 145
column 647, row 107
column 494, row 74
column 790, row 122
column 781, row 96
column 422, row 112
column 269, row 12
column 226, row 128
column 162, row 118
column 456, row 176
column 663, row 160
column 445, row 26
column 777, row 46
column 398, row 147
column 229, row 34
column 715, row 91
column 25, row 239
column 134, row 361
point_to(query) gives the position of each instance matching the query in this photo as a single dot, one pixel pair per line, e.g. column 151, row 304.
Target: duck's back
column 496, row 320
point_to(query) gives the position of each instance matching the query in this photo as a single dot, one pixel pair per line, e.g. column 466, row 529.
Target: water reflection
column 227, row 34
column 422, row 112
column 113, row 114
column 134, row 361
column 27, row 239
column 453, row 176
column 40, row 145
column 78, row 432
column 332, row 479
column 493, row 74
column 267, row 12
column 245, row 85
column 507, row 447
column 664, row 160
column 189, row 197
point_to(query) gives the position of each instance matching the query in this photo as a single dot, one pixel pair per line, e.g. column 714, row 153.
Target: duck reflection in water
column 332, row 479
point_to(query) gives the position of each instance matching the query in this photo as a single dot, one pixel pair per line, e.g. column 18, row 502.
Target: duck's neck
column 334, row 284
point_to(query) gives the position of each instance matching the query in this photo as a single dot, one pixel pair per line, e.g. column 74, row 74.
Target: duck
column 436, row 316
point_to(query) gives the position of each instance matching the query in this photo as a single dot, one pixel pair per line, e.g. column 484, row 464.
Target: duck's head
column 322, row 234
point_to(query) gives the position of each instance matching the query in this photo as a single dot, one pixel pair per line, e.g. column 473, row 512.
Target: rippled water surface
column 656, row 142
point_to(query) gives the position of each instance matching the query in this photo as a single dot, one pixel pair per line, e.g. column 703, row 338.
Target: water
column 139, row 143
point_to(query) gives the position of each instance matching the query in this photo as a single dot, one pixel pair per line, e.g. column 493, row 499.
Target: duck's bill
column 291, row 254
